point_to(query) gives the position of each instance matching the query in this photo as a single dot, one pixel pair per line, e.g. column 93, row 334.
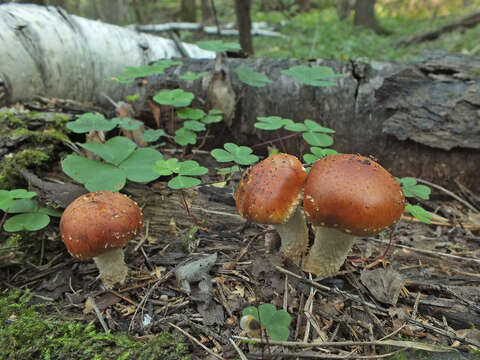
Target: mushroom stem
column 112, row 267
column 293, row 235
column 328, row 252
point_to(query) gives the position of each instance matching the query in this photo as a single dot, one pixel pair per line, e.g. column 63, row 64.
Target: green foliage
column 190, row 76
column 271, row 122
column 153, row 135
column 241, row 155
column 419, row 212
column 213, row 116
column 189, row 113
column 276, row 322
column 252, row 78
column 176, row 98
column 317, row 153
column 412, row 189
column 313, row 75
column 218, row 45
column 183, row 137
column 123, row 161
column 90, row 121
column 184, row 169
column 31, row 215
column 132, row 98
column 27, row 334
column 157, row 68
column 127, row 123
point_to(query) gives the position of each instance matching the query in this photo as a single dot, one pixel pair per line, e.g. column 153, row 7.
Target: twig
column 448, row 192
column 142, row 240
column 196, row 341
column 238, row 350
column 91, row 304
column 352, row 355
column 429, row 252
column 446, row 333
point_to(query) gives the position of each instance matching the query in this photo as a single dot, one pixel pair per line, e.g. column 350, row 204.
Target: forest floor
column 420, row 300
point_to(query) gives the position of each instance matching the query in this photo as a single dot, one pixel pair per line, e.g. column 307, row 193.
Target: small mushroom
column 347, row 196
column 98, row 225
column 269, row 193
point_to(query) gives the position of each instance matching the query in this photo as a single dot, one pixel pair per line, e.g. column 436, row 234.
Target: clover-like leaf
column 213, row 116
column 315, row 75
column 189, row 113
column 252, row 78
column 127, row 123
column 271, row 122
column 7, row 197
column 276, row 322
column 192, row 168
column 317, row 139
column 132, row 98
column 317, row 153
column 90, row 122
column 130, row 73
column 176, row 98
column 419, row 212
column 27, row 221
column 183, row 182
column 114, row 151
column 218, row 45
column 194, row 125
column 411, row 188
column 139, row 166
column 183, row 137
column 241, row 155
column 190, row 76
column 95, row 175
column 166, row 167
column 296, row 126
column 316, row 127
column 153, row 135
column 228, row 170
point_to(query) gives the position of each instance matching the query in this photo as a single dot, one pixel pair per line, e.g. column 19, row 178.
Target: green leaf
column 218, row 45
column 241, row 155
column 183, row 182
column 189, row 113
column 294, row 126
column 317, row 139
column 315, row 75
column 228, row 170
column 276, row 322
column 213, row 116
column 184, row 137
column 27, row 221
column 93, row 174
column 278, row 333
column 411, row 188
column 90, row 122
column 250, row 310
column 190, row 76
column 315, row 127
column 317, row 153
column 166, row 167
column 152, row 135
column 22, row 194
column 23, row 206
column 139, row 166
column 271, row 122
column 7, row 197
column 177, row 97
column 252, row 78
column 419, row 212
column 132, row 98
column 192, row 168
column 114, row 150
column 49, row 211
column 130, row 73
column 127, row 123
column 194, row 125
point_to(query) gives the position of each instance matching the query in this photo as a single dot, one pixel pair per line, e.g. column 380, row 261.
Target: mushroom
column 98, row 225
column 347, row 196
column 269, row 193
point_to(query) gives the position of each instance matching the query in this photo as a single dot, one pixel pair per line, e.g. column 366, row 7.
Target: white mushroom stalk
column 293, row 235
column 112, row 267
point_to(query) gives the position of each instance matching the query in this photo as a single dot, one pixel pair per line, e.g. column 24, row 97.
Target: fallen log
column 419, row 119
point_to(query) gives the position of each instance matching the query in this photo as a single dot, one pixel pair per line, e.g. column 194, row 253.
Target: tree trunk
column 344, row 8
column 188, row 11
column 244, row 21
column 303, row 5
column 365, row 16
column 46, row 51
column 206, row 12
column 418, row 120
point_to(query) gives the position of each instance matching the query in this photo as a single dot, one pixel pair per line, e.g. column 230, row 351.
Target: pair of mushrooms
column 344, row 196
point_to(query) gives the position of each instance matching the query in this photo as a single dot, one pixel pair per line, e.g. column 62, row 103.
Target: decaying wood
column 419, row 119
column 464, row 23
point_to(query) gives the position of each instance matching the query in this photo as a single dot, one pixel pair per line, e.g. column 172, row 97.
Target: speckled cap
column 353, row 194
column 99, row 221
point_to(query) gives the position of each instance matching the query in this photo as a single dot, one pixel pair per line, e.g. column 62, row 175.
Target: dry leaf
column 384, row 284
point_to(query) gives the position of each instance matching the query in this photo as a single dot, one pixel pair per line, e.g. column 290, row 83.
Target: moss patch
column 27, row 333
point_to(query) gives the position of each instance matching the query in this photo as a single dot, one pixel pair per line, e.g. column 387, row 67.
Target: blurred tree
column 206, row 12
column 365, row 16
column 344, row 8
column 244, row 23
column 304, row 5
column 188, row 11
column 113, row 11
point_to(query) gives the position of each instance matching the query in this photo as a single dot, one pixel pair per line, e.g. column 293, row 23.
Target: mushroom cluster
column 98, row 225
column 344, row 196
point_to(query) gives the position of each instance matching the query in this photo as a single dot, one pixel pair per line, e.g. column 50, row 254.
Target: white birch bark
column 46, row 51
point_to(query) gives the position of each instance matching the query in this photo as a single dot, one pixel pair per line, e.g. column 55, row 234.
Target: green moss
column 26, row 333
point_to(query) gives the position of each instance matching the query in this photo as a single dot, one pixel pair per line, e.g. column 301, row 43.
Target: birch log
column 46, row 51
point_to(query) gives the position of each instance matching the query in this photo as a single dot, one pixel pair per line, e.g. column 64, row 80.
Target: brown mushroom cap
column 99, row 221
column 353, row 194
column 270, row 191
